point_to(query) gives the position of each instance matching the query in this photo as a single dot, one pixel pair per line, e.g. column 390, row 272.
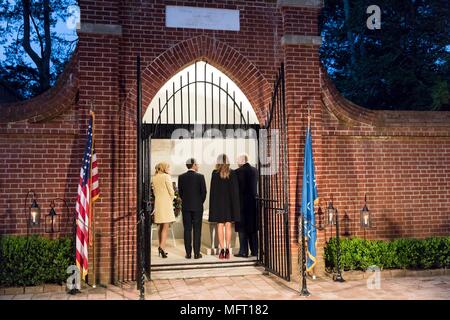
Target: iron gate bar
column 189, row 102
column 212, row 98
column 173, row 104
column 220, row 105
column 195, row 92
column 181, row 97
column 286, row 166
column 140, row 215
column 273, row 200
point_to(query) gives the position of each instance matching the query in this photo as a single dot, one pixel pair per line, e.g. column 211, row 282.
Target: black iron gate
column 183, row 106
column 273, row 203
column 273, row 187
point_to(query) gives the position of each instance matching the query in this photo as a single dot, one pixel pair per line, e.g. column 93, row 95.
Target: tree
column 403, row 65
column 34, row 49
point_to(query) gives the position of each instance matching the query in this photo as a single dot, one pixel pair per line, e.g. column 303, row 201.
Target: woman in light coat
column 164, row 196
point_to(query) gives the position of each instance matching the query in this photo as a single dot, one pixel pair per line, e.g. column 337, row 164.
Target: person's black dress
column 224, row 198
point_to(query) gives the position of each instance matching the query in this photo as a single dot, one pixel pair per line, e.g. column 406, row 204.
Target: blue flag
column 309, row 198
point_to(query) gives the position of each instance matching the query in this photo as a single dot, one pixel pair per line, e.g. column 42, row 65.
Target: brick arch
column 220, row 55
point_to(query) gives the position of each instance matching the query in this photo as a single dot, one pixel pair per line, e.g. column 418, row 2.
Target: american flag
column 88, row 192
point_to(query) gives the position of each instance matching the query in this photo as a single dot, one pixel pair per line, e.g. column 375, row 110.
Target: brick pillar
column 98, row 69
column 301, row 44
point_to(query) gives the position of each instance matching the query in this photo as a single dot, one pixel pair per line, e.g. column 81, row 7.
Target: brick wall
column 399, row 159
column 40, row 151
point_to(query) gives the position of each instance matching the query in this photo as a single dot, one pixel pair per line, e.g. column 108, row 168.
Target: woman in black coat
column 224, row 205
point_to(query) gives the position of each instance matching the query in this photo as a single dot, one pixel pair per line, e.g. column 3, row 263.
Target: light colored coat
column 164, row 195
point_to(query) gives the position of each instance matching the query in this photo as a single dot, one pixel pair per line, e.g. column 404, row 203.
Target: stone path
column 262, row 287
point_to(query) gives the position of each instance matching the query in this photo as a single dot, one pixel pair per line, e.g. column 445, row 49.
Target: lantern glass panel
column 365, row 218
column 331, row 215
column 52, row 222
column 35, row 214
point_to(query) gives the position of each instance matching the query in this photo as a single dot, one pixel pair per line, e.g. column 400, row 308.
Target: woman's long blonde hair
column 162, row 167
column 223, row 166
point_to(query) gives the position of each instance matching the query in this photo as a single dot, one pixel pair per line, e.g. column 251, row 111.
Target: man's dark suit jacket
column 192, row 190
column 248, row 182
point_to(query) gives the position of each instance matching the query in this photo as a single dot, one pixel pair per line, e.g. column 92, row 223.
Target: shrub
column 359, row 254
column 27, row 261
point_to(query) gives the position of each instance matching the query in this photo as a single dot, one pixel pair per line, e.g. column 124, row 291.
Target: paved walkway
column 262, row 287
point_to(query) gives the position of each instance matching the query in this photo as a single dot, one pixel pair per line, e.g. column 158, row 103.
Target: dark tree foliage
column 404, row 65
column 35, row 51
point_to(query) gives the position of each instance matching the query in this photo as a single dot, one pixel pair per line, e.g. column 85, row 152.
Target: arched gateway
column 267, row 34
column 358, row 152
column 201, row 107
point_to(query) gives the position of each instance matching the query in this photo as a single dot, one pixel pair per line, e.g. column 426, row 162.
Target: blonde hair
column 223, row 166
column 162, row 167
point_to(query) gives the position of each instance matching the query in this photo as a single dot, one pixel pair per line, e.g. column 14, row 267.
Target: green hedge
column 28, row 261
column 359, row 254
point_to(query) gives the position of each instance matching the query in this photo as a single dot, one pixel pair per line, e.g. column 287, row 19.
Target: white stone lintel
column 294, row 39
column 300, row 3
column 100, row 28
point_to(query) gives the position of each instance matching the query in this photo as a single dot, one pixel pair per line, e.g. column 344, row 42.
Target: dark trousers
column 192, row 220
column 247, row 240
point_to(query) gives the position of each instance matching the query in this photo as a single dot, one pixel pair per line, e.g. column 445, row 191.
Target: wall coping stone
column 100, row 28
column 300, row 3
column 295, row 39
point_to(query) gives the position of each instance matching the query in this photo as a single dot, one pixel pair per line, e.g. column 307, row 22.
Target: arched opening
column 200, row 94
column 198, row 113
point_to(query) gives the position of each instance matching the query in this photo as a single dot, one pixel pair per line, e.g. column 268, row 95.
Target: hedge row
column 359, row 254
column 34, row 260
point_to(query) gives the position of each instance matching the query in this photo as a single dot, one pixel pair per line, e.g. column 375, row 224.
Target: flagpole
column 304, row 290
column 94, row 276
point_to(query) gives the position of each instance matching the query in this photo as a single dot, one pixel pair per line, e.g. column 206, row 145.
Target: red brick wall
column 302, row 69
column 399, row 159
column 40, row 151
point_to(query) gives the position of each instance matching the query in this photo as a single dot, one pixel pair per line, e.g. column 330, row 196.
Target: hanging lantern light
column 34, row 217
column 365, row 218
column 331, row 214
column 52, row 220
column 320, row 219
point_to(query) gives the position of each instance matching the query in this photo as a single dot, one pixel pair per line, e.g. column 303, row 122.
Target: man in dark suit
column 248, row 226
column 192, row 191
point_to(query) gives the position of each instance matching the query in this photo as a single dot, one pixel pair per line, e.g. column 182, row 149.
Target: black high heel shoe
column 162, row 253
